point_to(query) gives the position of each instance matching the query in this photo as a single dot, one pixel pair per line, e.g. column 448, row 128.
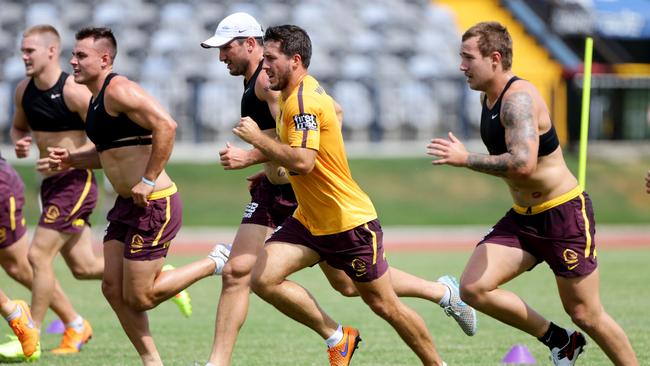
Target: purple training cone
column 519, row 354
column 56, row 327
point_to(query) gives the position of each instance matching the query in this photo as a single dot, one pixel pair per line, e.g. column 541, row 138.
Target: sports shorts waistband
column 533, row 210
column 163, row 192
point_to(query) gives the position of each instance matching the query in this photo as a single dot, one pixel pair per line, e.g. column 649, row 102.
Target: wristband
column 148, row 182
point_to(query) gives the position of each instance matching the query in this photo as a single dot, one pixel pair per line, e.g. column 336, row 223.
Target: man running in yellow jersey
column 335, row 220
column 239, row 40
column 50, row 111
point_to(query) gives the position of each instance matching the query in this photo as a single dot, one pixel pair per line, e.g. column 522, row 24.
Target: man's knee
column 236, row 273
column 111, row 290
column 139, row 301
column 20, row 271
column 472, row 294
column 584, row 317
column 38, row 258
column 346, row 289
column 82, row 272
column 385, row 308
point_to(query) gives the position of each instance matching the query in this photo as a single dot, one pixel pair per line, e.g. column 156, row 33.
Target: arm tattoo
column 521, row 137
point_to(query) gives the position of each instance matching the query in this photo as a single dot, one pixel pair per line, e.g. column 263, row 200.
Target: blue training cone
column 518, row 355
column 56, row 327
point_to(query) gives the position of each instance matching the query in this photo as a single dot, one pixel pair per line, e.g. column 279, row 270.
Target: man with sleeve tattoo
column 551, row 219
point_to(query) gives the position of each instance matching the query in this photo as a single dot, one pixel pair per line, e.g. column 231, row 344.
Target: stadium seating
column 382, row 59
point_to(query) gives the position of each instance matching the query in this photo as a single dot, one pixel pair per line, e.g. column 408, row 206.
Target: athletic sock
column 555, row 337
column 446, row 297
column 209, row 364
column 335, row 338
column 14, row 314
column 77, row 324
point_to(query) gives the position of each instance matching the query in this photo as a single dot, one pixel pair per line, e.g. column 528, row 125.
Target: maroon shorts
column 359, row 251
column 12, row 222
column 562, row 236
column 148, row 231
column 68, row 199
column 270, row 204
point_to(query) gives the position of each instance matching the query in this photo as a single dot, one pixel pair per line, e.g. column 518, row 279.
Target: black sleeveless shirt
column 493, row 133
column 254, row 108
column 104, row 130
column 46, row 110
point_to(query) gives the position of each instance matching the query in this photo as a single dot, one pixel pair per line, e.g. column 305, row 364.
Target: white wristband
column 148, row 182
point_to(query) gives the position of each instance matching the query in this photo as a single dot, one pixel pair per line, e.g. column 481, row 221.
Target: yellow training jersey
column 329, row 200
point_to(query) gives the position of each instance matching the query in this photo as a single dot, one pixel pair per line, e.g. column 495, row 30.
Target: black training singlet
column 254, row 108
column 46, row 110
column 493, row 133
column 104, row 130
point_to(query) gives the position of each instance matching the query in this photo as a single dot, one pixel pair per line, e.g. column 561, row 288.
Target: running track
column 199, row 241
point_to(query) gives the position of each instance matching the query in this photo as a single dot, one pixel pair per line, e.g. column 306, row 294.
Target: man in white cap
column 239, row 39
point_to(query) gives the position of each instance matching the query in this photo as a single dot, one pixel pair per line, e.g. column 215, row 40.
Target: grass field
column 268, row 338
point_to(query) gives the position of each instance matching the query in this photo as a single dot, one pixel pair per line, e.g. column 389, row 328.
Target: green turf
column 269, row 338
column 404, row 191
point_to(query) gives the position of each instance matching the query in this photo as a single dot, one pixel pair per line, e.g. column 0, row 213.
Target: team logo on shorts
column 305, row 122
column 250, row 210
column 3, row 234
column 570, row 258
column 359, row 267
column 137, row 242
column 51, row 214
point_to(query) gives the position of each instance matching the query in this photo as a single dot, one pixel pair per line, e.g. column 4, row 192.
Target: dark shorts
column 68, row 199
column 561, row 236
column 359, row 251
column 148, row 231
column 270, row 204
column 12, row 222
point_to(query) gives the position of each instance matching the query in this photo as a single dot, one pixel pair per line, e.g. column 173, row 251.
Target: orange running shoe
column 73, row 341
column 25, row 330
column 341, row 354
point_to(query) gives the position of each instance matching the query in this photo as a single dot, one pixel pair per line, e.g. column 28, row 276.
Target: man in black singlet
column 50, row 109
column 133, row 137
column 551, row 219
column 239, row 40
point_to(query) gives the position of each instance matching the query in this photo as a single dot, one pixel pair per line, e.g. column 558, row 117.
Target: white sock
column 77, row 324
column 15, row 314
column 209, row 364
column 335, row 338
column 446, row 297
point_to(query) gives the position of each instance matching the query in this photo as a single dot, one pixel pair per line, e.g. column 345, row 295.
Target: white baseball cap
column 237, row 25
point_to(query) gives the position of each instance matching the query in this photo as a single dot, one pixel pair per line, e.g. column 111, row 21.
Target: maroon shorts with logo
column 270, row 204
column 145, row 231
column 68, row 199
column 12, row 222
column 562, row 236
column 359, row 251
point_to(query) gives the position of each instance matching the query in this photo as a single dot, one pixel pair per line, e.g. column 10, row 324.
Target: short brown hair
column 293, row 41
column 97, row 33
column 492, row 37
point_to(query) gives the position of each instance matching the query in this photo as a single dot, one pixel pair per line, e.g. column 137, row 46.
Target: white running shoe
column 220, row 254
column 462, row 313
column 567, row 355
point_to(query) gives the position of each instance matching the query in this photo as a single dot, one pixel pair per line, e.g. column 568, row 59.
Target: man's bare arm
column 522, row 140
